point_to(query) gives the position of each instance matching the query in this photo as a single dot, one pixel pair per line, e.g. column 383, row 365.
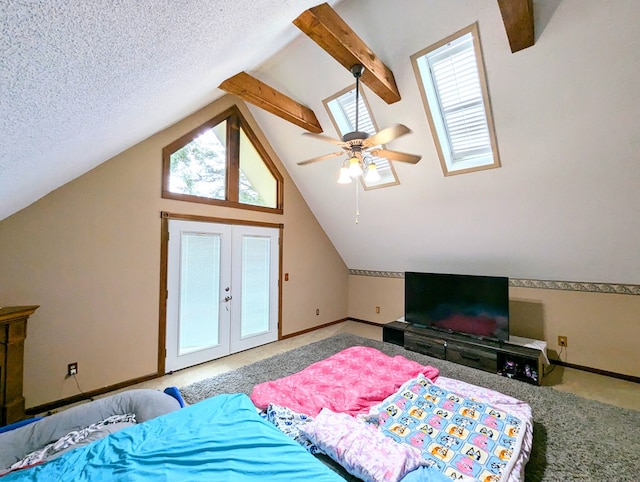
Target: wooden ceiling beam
column 517, row 16
column 325, row 27
column 254, row 91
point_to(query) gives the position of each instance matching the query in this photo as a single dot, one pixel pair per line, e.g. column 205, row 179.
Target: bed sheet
column 222, row 438
column 350, row 382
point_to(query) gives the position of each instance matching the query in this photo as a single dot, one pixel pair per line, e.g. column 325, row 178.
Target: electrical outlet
column 377, row 309
column 317, row 311
column 562, row 341
column 72, row 369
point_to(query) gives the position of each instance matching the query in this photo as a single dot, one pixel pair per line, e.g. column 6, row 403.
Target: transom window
column 222, row 162
column 452, row 82
column 342, row 110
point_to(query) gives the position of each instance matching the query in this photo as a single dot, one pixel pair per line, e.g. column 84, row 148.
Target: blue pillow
column 175, row 393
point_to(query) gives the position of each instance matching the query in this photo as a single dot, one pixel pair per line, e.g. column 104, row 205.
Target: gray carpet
column 574, row 438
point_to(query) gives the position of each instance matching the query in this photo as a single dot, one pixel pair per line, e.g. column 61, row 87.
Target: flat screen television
column 455, row 303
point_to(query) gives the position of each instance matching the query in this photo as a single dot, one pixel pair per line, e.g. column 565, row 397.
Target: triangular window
column 222, row 162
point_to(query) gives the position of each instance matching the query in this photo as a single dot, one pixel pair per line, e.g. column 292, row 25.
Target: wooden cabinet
column 394, row 332
column 13, row 331
column 503, row 358
column 473, row 356
column 435, row 347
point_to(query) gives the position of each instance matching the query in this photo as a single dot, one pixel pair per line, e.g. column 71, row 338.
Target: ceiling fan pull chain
column 357, row 203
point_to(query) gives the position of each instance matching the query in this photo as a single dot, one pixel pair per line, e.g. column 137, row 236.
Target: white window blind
column 454, row 73
column 347, row 105
column 450, row 76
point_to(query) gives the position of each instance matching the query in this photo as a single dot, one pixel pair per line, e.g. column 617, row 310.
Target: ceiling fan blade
column 386, row 135
column 321, row 137
column 320, row 158
column 395, row 155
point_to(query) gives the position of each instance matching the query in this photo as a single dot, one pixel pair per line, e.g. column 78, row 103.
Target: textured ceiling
column 81, row 81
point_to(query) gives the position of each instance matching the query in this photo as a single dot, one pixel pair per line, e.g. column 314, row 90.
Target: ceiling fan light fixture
column 372, row 173
column 361, row 147
column 355, row 169
column 344, row 177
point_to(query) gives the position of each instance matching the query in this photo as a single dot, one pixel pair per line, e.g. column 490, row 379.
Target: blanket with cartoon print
column 458, row 435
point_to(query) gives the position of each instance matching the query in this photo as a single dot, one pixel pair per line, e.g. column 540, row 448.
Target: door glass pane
column 255, row 285
column 199, row 292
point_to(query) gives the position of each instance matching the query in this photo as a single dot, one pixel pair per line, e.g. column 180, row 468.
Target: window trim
column 235, row 121
column 326, row 102
column 433, row 123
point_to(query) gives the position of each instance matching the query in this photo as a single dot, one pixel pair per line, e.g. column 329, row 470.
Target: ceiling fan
column 361, row 148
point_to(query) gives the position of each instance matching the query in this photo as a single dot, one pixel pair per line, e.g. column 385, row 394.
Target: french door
column 222, row 283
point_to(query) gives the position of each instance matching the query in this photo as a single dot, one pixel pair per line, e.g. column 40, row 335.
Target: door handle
column 227, row 298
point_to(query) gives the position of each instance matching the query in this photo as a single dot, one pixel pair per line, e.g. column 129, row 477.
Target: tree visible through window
column 222, row 162
column 199, row 168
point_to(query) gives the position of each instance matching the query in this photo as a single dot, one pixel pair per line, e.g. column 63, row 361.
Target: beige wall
column 89, row 255
column 602, row 329
column 367, row 292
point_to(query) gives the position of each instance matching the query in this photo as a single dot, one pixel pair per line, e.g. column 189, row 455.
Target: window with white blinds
column 450, row 76
column 342, row 110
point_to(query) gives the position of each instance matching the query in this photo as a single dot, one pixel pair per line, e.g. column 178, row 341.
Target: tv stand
column 513, row 360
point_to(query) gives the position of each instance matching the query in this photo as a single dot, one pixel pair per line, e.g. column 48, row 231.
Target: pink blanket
column 350, row 381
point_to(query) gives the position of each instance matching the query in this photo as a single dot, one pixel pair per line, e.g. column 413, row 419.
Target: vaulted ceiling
column 82, row 82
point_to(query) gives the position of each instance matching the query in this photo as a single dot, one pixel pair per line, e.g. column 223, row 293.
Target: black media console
column 504, row 358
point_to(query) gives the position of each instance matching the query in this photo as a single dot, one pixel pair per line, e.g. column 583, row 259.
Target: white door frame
column 169, row 287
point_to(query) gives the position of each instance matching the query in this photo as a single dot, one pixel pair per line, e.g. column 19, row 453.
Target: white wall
column 564, row 204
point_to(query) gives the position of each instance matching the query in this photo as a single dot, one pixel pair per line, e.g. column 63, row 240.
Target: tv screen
column 473, row 305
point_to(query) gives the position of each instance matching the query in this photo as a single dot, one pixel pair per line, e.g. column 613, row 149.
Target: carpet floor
column 574, row 439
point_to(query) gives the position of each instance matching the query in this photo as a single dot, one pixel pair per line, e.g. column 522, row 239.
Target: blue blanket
column 219, row 439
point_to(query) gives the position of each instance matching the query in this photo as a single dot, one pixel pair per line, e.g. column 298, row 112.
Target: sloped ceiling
column 82, row 81
column 564, row 205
